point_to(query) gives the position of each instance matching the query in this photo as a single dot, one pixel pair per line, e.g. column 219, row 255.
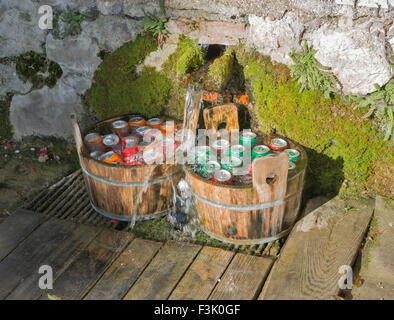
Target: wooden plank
column 270, row 185
column 203, row 274
column 215, row 116
column 16, row 228
column 58, row 259
column 27, row 258
column 243, row 279
column 377, row 259
column 126, row 269
column 319, row 244
column 163, row 273
column 89, row 265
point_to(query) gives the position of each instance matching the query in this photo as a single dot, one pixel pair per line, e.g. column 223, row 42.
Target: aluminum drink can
column 294, row 154
column 96, row 154
column 140, row 131
column 154, row 123
column 168, row 128
column 130, row 142
column 260, row 151
column 237, row 150
column 94, row 142
column 231, row 163
column 137, row 121
column 112, row 141
column 131, row 156
column 222, row 176
column 210, row 167
column 248, row 138
column 111, row 157
column 278, row 144
column 120, row 127
column 151, row 155
column 221, row 147
column 202, row 154
column 292, row 166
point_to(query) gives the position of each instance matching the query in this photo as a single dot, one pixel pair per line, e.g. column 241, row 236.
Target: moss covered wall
column 346, row 153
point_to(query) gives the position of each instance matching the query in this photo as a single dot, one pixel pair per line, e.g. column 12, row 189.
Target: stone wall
column 354, row 37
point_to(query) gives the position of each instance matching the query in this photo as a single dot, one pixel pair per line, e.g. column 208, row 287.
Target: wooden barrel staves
column 120, row 191
column 252, row 214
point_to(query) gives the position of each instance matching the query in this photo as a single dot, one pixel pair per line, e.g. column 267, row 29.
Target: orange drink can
column 137, row 122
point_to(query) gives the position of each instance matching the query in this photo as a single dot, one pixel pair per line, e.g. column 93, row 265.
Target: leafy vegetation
column 156, row 23
column 344, row 151
column 117, row 89
column 221, row 70
column 311, row 74
column 380, row 105
column 68, row 23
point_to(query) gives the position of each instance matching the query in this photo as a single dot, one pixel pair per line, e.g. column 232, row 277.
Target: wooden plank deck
column 99, row 263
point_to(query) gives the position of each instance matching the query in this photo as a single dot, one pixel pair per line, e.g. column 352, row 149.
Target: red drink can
column 222, row 176
column 130, row 142
column 278, row 144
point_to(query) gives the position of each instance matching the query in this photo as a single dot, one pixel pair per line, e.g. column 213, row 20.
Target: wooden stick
column 77, row 134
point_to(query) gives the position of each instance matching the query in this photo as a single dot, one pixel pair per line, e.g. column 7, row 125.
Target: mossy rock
column 344, row 150
column 117, row 89
column 5, row 123
column 35, row 67
column 221, row 70
column 188, row 56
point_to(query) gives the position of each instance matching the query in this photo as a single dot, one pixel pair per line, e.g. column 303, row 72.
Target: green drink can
column 248, row 139
column 292, row 166
column 230, row 163
column 294, row 154
column 202, row 154
column 260, row 151
column 237, row 151
column 210, row 167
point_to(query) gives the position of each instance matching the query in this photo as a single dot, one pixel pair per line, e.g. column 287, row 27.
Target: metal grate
column 68, row 200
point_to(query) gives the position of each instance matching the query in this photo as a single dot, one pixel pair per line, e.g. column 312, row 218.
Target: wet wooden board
column 215, row 116
column 58, row 259
column 243, row 279
column 163, row 273
column 126, row 269
column 16, row 228
column 90, row 264
column 27, row 258
column 203, row 274
column 319, row 244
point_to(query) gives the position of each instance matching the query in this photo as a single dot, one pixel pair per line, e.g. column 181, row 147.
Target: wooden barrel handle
column 227, row 114
column 266, row 188
column 77, row 133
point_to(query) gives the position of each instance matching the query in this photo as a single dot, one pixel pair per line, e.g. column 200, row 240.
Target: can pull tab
column 270, row 177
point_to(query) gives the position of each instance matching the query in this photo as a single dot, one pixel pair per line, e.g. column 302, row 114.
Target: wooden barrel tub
column 120, row 191
column 231, row 213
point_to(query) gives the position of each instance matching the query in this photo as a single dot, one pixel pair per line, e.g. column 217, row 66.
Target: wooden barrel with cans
column 121, row 191
column 234, row 214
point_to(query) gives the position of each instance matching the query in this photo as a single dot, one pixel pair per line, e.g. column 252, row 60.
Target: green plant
column 344, row 152
column 311, row 74
column 68, row 23
column 117, row 89
column 156, row 23
column 35, row 68
column 221, row 70
column 380, row 105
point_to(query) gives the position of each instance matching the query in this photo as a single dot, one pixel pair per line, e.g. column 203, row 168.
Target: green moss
column 5, row 123
column 34, row 67
column 221, row 70
column 343, row 150
column 188, row 57
column 117, row 89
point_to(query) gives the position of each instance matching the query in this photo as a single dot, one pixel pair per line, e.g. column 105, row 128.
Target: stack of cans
column 133, row 142
column 231, row 162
